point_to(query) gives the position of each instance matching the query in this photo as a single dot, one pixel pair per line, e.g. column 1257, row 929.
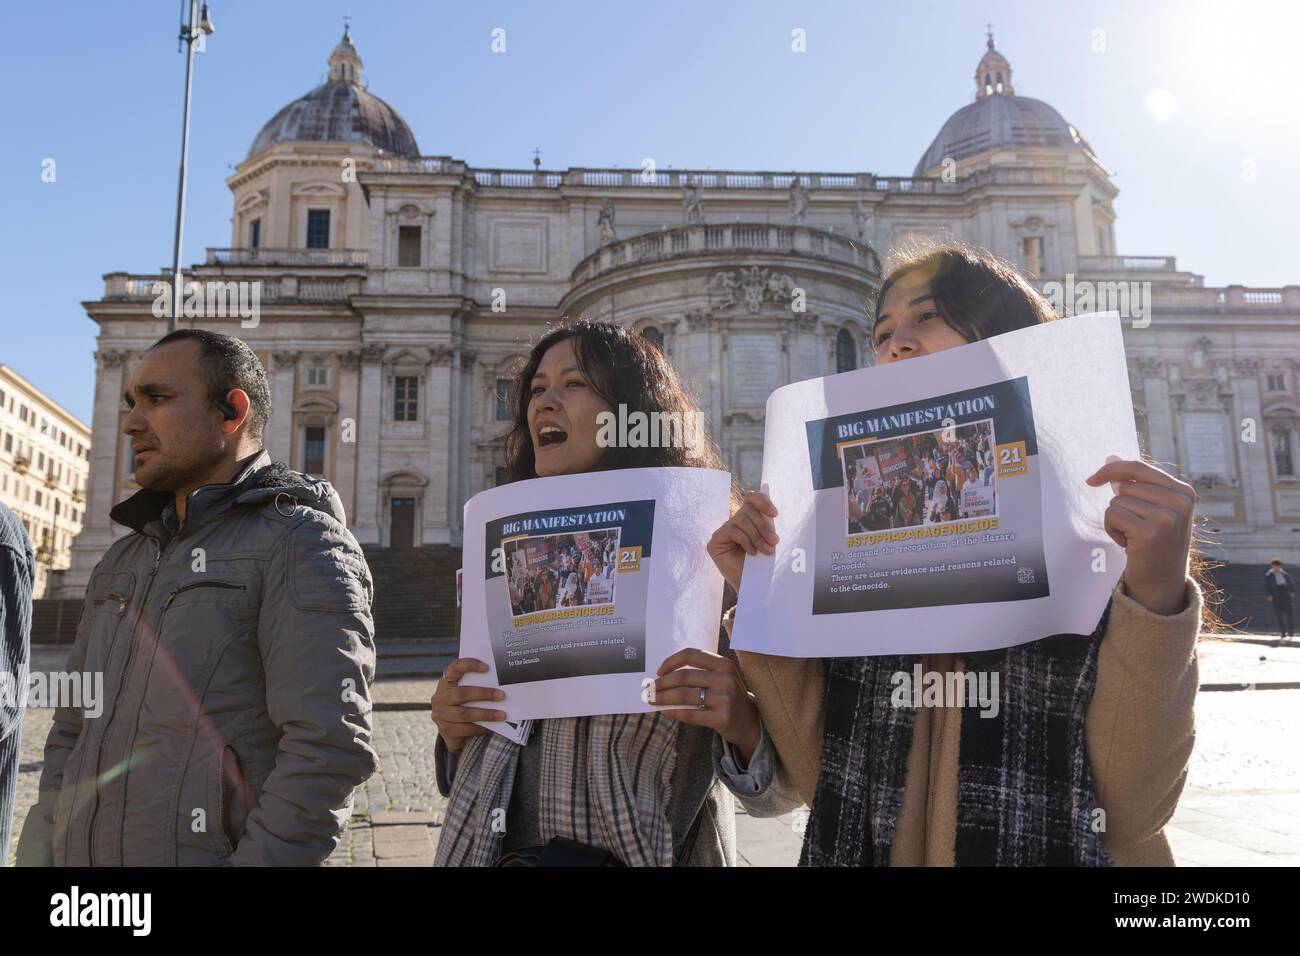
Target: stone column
column 464, row 378
column 1256, row 486
column 345, row 454
column 97, row 528
column 279, row 432
column 437, row 528
column 369, row 428
column 1160, row 423
column 455, row 444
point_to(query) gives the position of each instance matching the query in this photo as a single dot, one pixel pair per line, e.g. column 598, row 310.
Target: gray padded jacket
column 237, row 652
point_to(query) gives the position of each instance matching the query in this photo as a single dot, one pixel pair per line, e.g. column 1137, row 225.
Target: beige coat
column 1139, row 732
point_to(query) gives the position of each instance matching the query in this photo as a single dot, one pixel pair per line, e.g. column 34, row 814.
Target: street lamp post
column 199, row 25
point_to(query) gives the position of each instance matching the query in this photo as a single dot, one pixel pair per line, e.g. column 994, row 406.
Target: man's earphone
column 227, row 410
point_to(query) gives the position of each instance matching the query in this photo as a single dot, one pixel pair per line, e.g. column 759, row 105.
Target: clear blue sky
column 97, row 87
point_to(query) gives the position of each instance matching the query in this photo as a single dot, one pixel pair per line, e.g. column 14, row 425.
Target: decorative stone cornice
column 111, row 358
column 285, row 360
column 699, row 320
column 373, row 353
column 440, row 355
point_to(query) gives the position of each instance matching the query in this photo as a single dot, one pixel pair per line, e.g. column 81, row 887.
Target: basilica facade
column 398, row 292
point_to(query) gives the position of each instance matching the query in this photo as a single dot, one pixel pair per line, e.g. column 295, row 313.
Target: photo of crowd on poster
column 926, row 478
column 561, row 570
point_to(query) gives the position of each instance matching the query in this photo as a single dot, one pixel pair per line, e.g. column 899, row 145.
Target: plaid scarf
column 1024, row 793
column 605, row 781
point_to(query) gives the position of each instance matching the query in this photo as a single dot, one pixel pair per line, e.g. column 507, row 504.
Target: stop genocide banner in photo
column 938, row 505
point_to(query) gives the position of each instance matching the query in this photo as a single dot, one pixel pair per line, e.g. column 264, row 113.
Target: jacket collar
column 147, row 506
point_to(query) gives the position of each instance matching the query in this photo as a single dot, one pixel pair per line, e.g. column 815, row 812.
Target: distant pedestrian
column 1281, row 590
column 17, row 569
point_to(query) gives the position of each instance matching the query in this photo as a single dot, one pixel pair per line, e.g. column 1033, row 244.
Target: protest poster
column 585, row 584
column 936, row 505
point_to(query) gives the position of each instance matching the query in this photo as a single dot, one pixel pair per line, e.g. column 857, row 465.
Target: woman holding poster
column 622, row 789
column 1081, row 755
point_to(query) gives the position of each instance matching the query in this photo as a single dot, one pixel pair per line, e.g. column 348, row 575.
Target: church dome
column 998, row 119
column 340, row 110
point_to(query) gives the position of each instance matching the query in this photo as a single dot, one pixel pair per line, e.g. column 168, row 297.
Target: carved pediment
column 319, row 188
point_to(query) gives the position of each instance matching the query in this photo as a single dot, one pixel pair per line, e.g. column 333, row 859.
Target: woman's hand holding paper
column 727, row 707
column 1150, row 517
column 456, row 722
column 749, row 531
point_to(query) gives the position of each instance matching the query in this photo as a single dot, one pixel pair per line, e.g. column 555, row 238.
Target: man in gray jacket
column 234, row 633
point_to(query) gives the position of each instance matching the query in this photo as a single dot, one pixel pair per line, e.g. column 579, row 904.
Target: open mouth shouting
column 549, row 436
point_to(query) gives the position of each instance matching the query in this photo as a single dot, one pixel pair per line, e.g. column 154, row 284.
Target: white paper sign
column 576, row 588
column 938, row 504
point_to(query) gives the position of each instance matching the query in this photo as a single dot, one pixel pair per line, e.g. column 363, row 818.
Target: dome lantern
column 345, row 63
column 993, row 74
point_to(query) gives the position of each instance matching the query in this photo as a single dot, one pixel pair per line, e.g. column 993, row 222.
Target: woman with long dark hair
column 1084, row 759
column 636, row 789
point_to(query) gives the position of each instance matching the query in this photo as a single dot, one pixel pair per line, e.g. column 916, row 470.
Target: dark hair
column 623, row 368
column 978, row 294
column 229, row 363
column 1275, row 561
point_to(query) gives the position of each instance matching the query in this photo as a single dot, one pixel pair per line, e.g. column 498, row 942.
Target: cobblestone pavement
column 1241, row 803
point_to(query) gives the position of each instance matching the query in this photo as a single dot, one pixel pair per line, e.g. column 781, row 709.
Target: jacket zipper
column 126, row 672
column 198, row 584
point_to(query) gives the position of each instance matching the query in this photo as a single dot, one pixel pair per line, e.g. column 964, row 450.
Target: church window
column 1282, row 459
column 846, row 352
column 503, row 400
column 318, row 376
column 408, row 246
column 405, row 403
column 1033, row 257
column 318, row 228
column 255, row 234
column 1274, row 383
column 314, row 450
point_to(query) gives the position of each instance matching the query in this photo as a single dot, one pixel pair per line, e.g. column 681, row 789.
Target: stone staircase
column 54, row 620
column 1245, row 604
column 415, row 594
column 415, row 602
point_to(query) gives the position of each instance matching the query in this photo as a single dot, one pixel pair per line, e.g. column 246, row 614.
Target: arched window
column 653, row 336
column 1282, row 460
column 846, row 352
